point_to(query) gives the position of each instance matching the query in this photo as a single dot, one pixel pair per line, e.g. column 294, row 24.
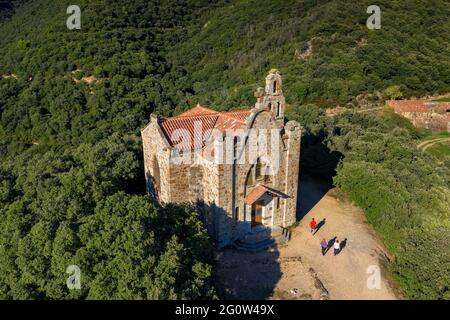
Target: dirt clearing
column 297, row 270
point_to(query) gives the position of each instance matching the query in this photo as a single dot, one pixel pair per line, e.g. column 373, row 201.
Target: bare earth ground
column 297, row 270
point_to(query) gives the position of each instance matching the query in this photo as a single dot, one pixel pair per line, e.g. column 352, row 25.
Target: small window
column 278, row 202
column 236, row 213
column 278, row 110
column 274, row 87
column 270, row 106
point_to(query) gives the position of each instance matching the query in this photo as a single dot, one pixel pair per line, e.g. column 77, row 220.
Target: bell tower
column 272, row 96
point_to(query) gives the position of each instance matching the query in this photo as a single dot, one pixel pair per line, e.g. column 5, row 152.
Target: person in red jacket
column 313, row 225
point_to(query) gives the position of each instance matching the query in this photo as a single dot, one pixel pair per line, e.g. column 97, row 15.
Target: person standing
column 337, row 247
column 313, row 225
column 324, row 246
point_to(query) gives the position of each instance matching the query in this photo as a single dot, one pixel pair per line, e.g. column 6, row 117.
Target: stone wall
column 156, row 155
column 424, row 114
column 219, row 190
column 433, row 120
column 293, row 132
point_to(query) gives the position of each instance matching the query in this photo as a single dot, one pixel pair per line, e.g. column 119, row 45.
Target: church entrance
column 257, row 213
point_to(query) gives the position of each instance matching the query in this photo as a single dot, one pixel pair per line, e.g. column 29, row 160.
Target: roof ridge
column 189, row 117
column 212, row 113
column 209, row 110
column 237, row 110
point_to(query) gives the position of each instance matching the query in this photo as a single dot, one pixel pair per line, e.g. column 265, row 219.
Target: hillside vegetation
column 72, row 104
column 404, row 193
column 71, row 172
column 327, row 54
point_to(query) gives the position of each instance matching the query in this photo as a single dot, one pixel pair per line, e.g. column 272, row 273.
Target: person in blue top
column 324, row 245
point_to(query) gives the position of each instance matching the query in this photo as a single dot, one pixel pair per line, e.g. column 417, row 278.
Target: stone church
column 240, row 168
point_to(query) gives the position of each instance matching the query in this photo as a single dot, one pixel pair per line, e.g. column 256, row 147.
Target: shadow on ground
column 242, row 275
column 311, row 191
column 317, row 168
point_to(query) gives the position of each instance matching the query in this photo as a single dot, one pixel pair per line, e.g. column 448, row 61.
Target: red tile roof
column 197, row 126
column 409, row 105
column 201, row 118
column 444, row 105
column 258, row 191
column 417, row 105
column 241, row 115
column 231, row 120
column 197, row 111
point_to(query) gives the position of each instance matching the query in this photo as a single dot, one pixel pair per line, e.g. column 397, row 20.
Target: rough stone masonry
column 240, row 167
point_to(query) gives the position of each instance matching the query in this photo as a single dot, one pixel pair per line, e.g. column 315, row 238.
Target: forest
column 72, row 103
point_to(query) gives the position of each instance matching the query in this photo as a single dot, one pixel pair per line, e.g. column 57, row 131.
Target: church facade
column 240, row 168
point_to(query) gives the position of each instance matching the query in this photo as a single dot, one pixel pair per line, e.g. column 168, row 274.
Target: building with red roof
column 424, row 114
column 239, row 167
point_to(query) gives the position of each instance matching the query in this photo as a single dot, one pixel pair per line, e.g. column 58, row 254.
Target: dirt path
column 355, row 110
column 370, row 109
column 345, row 275
column 297, row 270
column 427, row 143
column 424, row 146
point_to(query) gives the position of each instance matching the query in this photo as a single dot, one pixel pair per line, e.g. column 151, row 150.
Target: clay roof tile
column 198, row 123
column 409, row 105
column 258, row 191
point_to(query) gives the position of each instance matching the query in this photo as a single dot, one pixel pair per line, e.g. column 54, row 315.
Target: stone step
column 259, row 230
column 261, row 238
column 245, row 244
column 256, row 237
column 254, row 247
